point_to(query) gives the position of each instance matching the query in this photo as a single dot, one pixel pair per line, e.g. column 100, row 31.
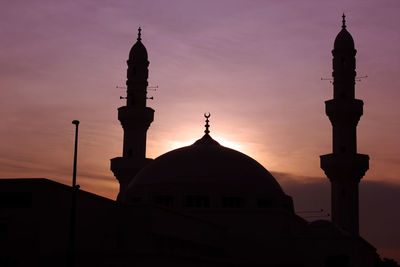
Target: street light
column 75, row 187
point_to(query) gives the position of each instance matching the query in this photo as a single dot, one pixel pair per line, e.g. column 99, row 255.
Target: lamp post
column 75, row 187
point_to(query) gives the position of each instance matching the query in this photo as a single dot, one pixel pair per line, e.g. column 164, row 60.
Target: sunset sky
column 256, row 66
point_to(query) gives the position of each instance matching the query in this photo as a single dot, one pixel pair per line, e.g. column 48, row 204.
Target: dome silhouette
column 138, row 52
column 206, row 167
column 344, row 40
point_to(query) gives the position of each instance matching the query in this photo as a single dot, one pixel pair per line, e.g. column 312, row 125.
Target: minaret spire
column 139, row 36
column 135, row 118
column 343, row 21
column 344, row 166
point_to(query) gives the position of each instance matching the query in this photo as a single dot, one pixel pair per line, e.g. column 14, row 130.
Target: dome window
column 263, row 203
column 163, row 200
column 136, row 199
column 197, row 201
column 232, row 202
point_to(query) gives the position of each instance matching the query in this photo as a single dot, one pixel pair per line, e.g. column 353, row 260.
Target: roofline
column 46, row 180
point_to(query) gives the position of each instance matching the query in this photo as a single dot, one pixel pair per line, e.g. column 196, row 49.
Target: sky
column 256, row 66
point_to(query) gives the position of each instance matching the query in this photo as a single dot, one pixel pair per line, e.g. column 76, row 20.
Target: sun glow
column 178, row 144
column 227, row 143
column 221, row 140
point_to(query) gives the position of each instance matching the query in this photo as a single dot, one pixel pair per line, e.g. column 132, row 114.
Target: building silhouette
column 199, row 205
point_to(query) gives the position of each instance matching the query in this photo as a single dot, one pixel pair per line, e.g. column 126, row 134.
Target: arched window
column 164, row 200
column 197, row 201
column 232, row 202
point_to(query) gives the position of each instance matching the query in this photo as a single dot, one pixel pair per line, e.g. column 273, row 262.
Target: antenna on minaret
column 359, row 78
column 149, row 88
column 207, row 115
column 152, row 88
column 327, row 79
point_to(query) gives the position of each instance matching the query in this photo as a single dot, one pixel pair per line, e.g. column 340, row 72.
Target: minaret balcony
column 127, row 167
column 135, row 118
column 345, row 166
column 344, row 110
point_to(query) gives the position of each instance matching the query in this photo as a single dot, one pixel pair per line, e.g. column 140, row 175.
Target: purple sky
column 256, row 66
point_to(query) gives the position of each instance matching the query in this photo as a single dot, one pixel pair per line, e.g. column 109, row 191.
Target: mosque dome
column 138, row 51
column 209, row 169
column 344, row 40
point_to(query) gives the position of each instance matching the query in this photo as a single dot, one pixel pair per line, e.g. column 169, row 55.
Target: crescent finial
column 207, row 115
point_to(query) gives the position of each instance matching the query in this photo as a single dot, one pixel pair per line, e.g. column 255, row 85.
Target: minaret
column 344, row 167
column 135, row 119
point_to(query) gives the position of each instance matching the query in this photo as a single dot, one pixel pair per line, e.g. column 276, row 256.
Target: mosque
column 199, row 205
